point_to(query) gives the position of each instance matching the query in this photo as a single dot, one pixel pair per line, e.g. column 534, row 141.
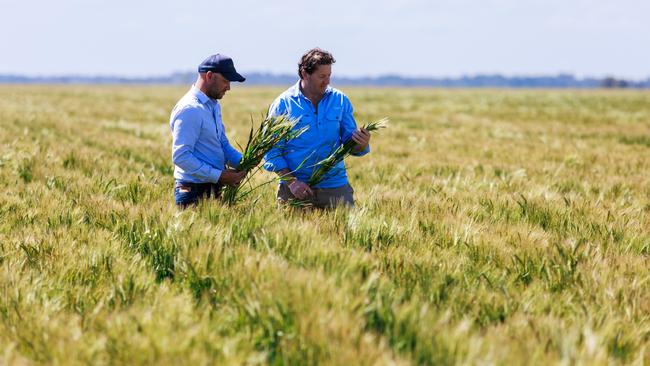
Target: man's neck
column 200, row 85
column 313, row 98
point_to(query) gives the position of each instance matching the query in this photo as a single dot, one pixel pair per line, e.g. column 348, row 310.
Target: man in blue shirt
column 200, row 148
column 329, row 115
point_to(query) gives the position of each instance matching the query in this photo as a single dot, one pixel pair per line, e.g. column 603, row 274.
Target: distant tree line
column 610, row 82
column 257, row 78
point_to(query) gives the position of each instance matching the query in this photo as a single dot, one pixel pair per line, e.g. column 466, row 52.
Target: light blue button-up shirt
column 332, row 126
column 200, row 148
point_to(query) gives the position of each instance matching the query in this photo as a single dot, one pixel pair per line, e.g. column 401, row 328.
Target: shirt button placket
column 215, row 116
column 318, row 124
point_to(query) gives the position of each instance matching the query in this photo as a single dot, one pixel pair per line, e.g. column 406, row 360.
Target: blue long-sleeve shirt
column 332, row 126
column 200, row 148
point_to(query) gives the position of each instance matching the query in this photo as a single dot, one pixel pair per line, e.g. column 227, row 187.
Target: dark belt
column 215, row 188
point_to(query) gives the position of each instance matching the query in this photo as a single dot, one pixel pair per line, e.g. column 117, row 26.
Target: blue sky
column 411, row 38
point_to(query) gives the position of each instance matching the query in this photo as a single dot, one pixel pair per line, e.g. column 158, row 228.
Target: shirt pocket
column 332, row 130
column 333, row 114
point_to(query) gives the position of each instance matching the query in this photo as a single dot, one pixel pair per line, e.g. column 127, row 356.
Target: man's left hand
column 362, row 138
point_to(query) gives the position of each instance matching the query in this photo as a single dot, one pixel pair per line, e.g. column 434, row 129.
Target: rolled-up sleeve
column 274, row 160
column 186, row 128
column 349, row 125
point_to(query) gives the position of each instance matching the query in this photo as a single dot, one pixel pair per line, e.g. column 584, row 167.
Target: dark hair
column 314, row 58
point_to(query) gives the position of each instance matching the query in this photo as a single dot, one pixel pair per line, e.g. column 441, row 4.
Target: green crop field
column 492, row 227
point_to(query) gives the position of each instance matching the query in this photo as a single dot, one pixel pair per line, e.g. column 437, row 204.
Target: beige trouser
column 323, row 197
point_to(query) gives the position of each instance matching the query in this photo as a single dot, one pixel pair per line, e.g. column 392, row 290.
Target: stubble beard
column 216, row 95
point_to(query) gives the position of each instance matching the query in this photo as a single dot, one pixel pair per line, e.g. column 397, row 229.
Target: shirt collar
column 200, row 95
column 296, row 90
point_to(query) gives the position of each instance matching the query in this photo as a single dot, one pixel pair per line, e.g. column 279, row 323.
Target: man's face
column 316, row 82
column 217, row 85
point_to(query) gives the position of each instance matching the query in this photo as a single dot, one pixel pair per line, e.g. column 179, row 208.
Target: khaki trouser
column 323, row 197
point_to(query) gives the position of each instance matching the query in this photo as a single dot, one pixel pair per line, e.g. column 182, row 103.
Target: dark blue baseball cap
column 223, row 65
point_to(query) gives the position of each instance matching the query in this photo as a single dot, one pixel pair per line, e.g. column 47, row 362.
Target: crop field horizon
column 491, row 227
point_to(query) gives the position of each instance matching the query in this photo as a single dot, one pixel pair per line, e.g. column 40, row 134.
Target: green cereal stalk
column 271, row 131
column 341, row 152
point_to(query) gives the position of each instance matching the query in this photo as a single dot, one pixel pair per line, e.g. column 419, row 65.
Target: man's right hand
column 300, row 189
column 231, row 177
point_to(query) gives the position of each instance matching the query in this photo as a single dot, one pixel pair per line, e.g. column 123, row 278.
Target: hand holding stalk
column 231, row 177
column 362, row 137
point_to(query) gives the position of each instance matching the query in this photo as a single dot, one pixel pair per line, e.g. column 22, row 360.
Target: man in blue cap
column 203, row 158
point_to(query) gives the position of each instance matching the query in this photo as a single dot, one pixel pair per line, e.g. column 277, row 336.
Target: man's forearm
column 185, row 160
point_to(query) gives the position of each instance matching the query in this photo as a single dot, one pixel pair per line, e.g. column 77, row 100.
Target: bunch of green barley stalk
column 272, row 131
column 341, row 152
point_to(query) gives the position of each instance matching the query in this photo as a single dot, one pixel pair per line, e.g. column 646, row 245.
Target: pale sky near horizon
column 433, row 38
